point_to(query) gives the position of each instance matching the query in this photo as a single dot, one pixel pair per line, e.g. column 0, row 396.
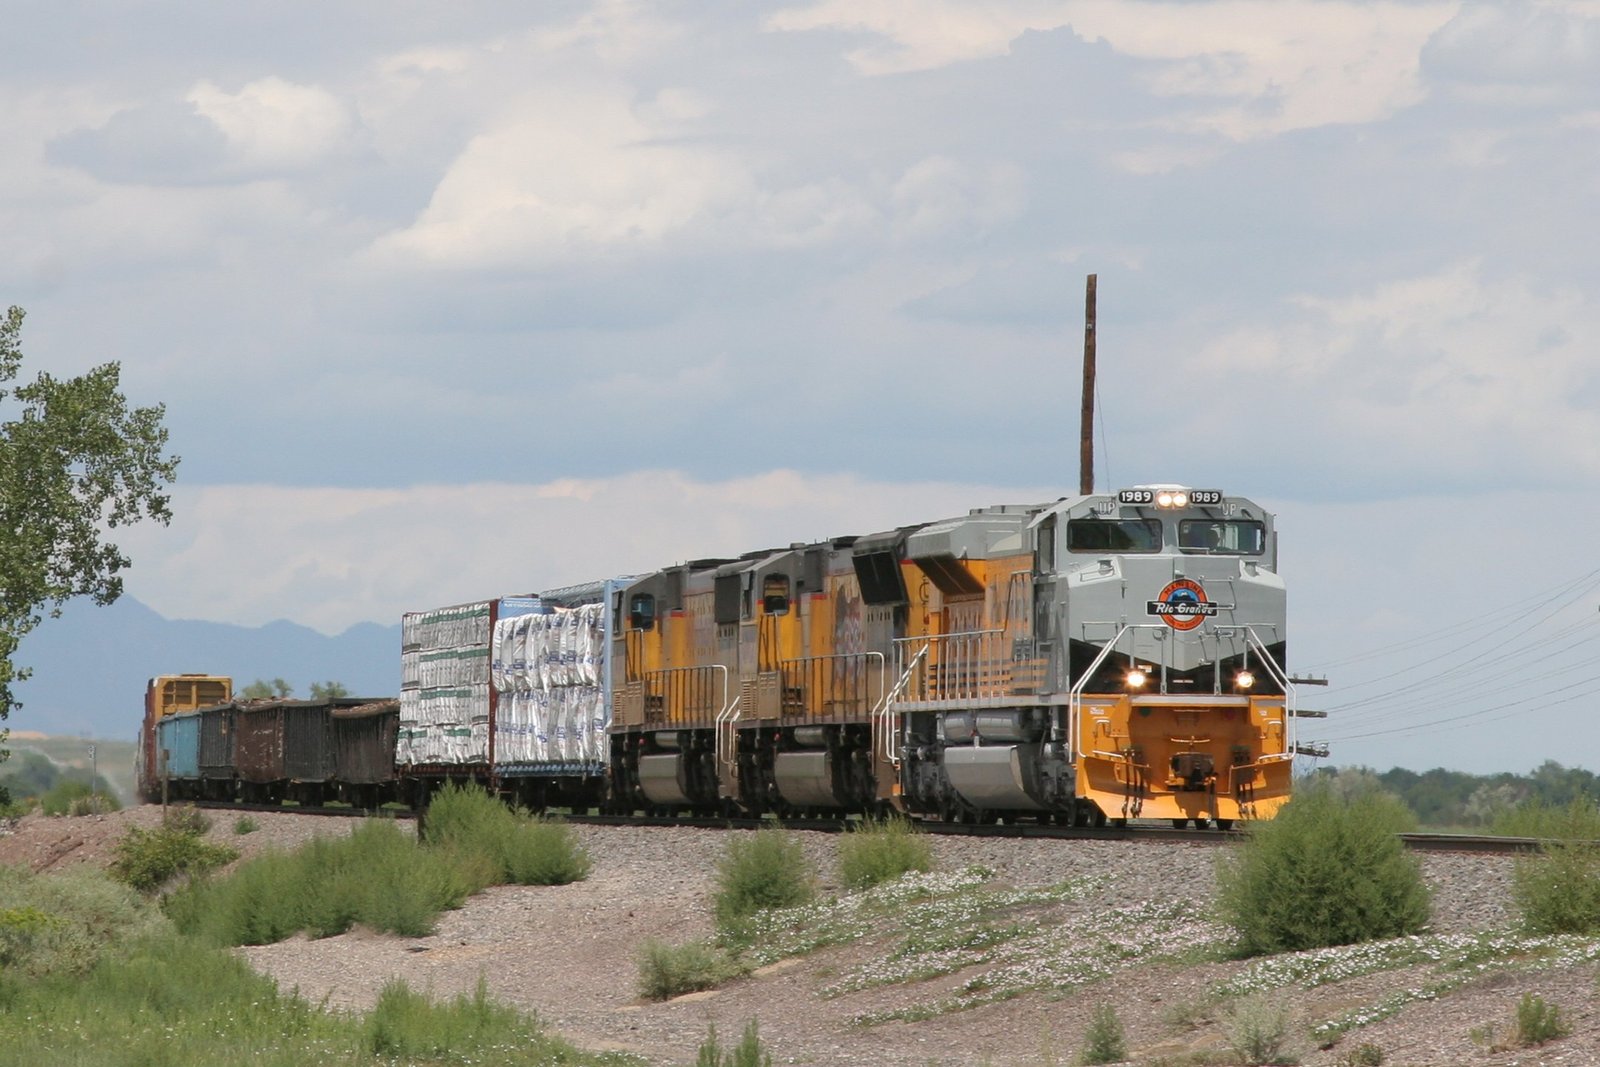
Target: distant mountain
column 90, row 666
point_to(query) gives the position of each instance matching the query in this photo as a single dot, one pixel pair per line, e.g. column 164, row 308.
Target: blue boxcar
column 178, row 747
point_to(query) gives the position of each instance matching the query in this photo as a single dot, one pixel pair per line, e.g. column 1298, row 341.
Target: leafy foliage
column 60, row 924
column 1558, row 890
column 75, row 462
column 149, row 859
column 882, row 850
column 759, row 871
column 261, row 689
column 1329, row 870
column 329, row 690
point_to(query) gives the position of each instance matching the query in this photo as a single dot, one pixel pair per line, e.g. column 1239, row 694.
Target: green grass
column 378, row 877
column 167, row 1001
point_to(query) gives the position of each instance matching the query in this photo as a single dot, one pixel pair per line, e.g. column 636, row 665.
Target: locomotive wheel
column 1179, row 824
column 1224, row 824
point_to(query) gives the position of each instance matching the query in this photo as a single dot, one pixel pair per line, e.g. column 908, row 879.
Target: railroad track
column 1416, row 842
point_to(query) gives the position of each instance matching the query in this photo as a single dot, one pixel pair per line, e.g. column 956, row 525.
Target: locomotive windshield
column 1114, row 535
column 1234, row 537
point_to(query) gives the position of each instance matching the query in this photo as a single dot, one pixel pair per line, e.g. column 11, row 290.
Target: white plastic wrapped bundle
column 520, row 679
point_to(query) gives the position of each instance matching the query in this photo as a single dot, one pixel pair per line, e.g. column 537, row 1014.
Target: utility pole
column 1086, row 419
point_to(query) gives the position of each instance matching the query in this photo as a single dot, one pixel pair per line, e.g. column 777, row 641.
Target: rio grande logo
column 1182, row 605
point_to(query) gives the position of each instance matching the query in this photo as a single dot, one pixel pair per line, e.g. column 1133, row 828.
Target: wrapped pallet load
column 512, row 686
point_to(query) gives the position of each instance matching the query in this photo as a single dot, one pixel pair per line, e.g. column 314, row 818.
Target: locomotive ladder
column 885, row 720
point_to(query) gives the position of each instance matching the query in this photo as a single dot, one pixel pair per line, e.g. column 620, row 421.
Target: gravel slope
column 569, row 954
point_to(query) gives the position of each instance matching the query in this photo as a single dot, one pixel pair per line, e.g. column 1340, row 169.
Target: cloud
column 269, row 128
column 1516, row 52
column 273, row 125
column 1250, row 68
column 328, row 558
column 563, row 174
column 1476, row 380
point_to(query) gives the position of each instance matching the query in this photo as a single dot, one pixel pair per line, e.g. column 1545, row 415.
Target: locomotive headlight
column 1136, row 679
column 1163, row 499
column 1244, row 680
column 1180, row 500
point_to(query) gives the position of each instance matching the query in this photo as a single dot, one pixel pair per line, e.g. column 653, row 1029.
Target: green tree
column 75, row 462
column 260, row 689
column 328, row 690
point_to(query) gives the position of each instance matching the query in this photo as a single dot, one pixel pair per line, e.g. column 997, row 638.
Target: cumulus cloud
column 1517, row 52
column 329, row 558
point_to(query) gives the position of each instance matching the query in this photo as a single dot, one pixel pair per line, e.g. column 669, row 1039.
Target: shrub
column 766, row 869
column 377, row 877
column 667, row 971
column 881, row 850
column 72, row 797
column 1558, row 890
column 1363, row 1055
column 1258, row 1031
column 244, row 824
column 1538, row 1022
column 1329, row 870
column 1103, row 1041
column 60, row 924
column 149, row 859
column 1579, row 821
column 747, row 1053
column 500, row 844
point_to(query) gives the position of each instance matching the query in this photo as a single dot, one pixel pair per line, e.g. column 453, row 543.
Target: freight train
column 1102, row 657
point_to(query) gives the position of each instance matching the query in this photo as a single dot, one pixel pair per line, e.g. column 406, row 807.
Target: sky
column 447, row 301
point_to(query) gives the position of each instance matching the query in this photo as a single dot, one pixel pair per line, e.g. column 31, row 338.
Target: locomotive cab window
column 775, row 594
column 1114, row 535
column 642, row 611
column 1228, row 537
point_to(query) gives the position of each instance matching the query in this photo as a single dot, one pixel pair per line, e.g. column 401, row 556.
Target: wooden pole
column 1086, row 420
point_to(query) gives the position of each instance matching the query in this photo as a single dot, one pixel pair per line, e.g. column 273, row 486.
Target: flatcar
column 1096, row 658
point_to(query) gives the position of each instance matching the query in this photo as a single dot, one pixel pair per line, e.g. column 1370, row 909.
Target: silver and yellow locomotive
column 1108, row 656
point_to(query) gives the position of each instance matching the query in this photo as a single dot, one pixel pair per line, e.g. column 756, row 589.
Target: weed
column 245, row 824
column 747, row 1053
column 667, row 971
column 1258, row 1031
column 759, row 872
column 1103, row 1041
column 1538, row 1022
column 499, row 844
column 1363, row 1055
column 881, row 850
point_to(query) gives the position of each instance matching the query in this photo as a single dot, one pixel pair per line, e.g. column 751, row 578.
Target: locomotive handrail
column 1290, row 720
column 883, row 716
column 725, row 735
column 803, row 662
column 1075, row 697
